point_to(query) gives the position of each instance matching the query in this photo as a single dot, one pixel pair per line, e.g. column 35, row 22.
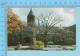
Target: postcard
column 41, row 29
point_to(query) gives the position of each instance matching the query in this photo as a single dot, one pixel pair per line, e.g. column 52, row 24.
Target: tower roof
column 30, row 13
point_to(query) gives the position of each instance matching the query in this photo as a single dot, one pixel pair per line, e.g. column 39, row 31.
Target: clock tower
column 31, row 18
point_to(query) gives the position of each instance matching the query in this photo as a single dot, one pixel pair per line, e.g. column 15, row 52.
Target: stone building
column 30, row 23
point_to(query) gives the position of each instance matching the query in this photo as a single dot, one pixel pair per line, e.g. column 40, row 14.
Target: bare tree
column 47, row 23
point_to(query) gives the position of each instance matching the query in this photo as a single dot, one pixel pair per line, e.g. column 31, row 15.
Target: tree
column 47, row 25
column 14, row 24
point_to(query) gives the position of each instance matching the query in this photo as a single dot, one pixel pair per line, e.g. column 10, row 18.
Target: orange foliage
column 13, row 22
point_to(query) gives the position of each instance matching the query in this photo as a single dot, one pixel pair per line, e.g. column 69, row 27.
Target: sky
column 67, row 14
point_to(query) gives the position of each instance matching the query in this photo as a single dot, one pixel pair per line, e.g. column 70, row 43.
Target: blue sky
column 67, row 14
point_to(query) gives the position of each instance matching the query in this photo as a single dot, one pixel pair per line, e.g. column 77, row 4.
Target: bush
column 39, row 44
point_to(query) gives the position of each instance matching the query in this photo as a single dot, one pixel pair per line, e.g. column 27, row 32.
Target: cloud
column 68, row 18
column 66, row 13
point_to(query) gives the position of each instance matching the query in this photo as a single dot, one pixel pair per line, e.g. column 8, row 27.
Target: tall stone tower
column 31, row 18
column 31, row 23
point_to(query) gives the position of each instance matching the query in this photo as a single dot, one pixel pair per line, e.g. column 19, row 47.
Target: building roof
column 31, row 13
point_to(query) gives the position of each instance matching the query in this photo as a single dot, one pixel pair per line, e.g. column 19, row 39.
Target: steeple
column 30, row 13
column 31, row 18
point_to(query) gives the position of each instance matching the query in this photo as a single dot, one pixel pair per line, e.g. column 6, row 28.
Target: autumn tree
column 14, row 24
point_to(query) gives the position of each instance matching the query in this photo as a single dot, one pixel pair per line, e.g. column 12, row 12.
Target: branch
column 53, row 25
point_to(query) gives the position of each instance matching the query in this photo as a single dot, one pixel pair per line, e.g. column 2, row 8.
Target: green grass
column 64, row 46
